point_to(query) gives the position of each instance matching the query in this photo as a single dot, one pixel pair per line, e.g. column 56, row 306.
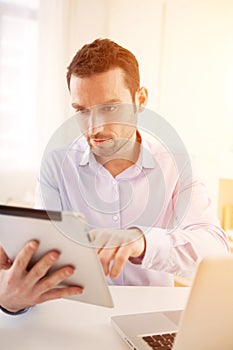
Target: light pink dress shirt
column 159, row 194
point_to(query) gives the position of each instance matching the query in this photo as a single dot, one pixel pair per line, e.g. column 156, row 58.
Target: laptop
column 205, row 324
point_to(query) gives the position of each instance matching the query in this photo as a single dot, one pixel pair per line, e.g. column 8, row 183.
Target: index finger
column 24, row 256
column 120, row 259
column 5, row 262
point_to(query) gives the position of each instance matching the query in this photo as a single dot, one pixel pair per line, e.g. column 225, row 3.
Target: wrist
column 14, row 313
column 138, row 259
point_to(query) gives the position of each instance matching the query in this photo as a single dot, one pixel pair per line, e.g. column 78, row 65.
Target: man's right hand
column 21, row 288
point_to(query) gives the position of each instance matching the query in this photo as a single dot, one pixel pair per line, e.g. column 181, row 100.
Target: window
column 18, row 75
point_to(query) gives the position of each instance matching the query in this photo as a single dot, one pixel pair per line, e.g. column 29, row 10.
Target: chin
column 103, row 152
column 115, row 150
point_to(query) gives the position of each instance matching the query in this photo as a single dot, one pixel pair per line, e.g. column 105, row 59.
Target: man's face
column 105, row 112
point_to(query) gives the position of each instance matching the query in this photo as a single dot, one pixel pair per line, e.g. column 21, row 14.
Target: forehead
column 99, row 88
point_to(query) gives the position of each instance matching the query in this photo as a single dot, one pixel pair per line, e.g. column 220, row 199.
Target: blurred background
column 185, row 53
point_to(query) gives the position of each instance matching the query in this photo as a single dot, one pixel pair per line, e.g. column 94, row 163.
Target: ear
column 141, row 98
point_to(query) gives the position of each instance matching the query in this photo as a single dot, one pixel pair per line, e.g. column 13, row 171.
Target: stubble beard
column 120, row 148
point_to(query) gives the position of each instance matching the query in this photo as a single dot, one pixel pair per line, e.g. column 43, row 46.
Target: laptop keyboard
column 160, row 341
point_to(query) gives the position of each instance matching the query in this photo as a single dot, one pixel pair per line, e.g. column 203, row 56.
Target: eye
column 83, row 111
column 109, row 108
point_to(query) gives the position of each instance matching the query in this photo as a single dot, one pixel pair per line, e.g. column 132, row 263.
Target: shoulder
column 170, row 157
column 69, row 153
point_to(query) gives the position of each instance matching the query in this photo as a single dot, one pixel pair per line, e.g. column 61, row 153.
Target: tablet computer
column 66, row 232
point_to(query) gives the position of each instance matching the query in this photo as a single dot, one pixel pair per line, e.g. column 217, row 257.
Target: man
column 148, row 217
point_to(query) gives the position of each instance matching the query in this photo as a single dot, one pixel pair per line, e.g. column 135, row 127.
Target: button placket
column 115, row 218
column 116, row 215
column 115, row 189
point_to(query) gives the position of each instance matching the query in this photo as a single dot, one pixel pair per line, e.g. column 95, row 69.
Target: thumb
column 5, row 262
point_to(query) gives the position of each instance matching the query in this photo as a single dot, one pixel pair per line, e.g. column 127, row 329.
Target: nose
column 95, row 123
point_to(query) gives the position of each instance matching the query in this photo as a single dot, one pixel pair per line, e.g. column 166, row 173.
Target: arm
column 187, row 231
column 199, row 234
column 47, row 194
column 175, row 250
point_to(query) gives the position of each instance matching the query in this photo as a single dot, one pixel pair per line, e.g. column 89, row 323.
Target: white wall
column 17, row 187
column 197, row 81
column 185, row 52
column 64, row 26
column 197, row 86
column 138, row 25
column 185, row 49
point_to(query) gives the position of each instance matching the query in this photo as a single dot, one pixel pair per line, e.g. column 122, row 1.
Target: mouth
column 100, row 141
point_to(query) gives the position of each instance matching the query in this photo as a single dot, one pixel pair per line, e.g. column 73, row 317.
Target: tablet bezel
column 18, row 225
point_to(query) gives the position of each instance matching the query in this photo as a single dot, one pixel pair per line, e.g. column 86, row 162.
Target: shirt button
column 113, row 182
column 115, row 217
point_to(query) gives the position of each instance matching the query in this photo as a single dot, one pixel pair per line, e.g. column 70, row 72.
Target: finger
column 120, row 260
column 92, row 234
column 106, row 255
column 5, row 262
column 58, row 293
column 95, row 233
column 55, row 278
column 40, row 269
column 23, row 258
column 100, row 241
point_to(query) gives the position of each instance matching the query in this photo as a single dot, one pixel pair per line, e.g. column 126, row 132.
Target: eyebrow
column 77, row 106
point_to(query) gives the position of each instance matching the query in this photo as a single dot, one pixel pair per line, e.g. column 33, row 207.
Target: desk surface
column 69, row 325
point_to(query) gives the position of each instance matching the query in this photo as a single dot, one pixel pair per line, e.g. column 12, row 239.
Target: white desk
column 70, row 325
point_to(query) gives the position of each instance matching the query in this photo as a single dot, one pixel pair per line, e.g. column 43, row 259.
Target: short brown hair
column 102, row 55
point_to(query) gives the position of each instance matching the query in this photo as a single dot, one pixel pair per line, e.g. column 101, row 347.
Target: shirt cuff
column 158, row 248
column 20, row 312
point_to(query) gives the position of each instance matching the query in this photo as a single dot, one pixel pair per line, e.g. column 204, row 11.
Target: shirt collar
column 86, row 156
column 146, row 158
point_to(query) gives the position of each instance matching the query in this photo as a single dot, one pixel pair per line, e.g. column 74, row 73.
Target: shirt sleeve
column 20, row 312
column 47, row 195
column 177, row 250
